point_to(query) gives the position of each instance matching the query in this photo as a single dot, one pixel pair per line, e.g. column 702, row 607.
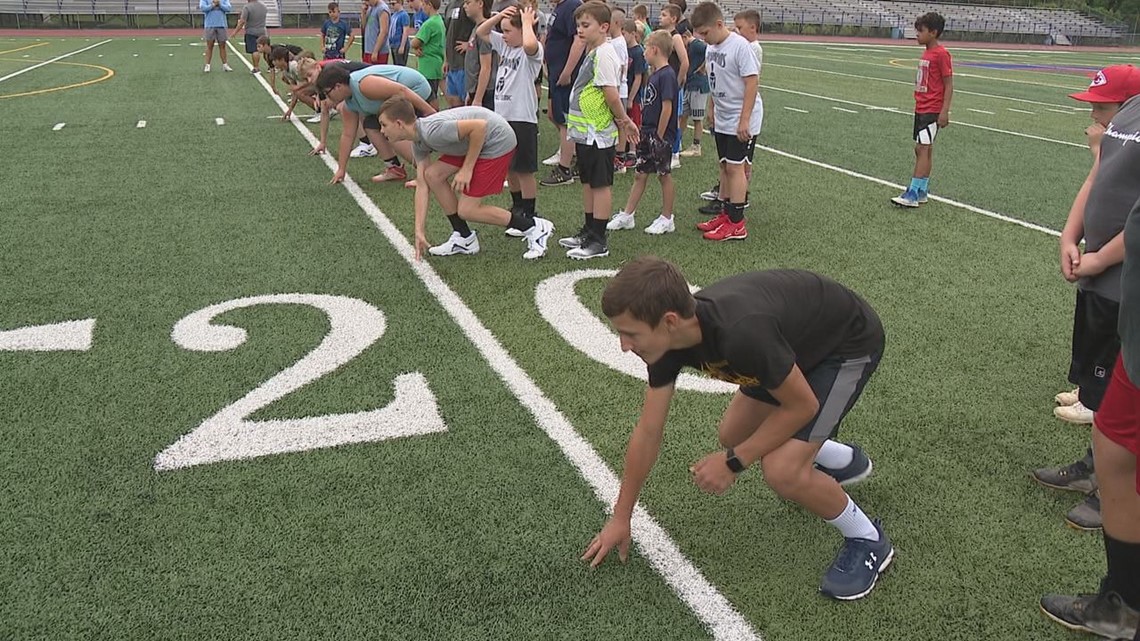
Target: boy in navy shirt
column 636, row 77
column 333, row 34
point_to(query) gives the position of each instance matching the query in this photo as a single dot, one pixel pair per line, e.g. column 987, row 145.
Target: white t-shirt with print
column 728, row 64
column 515, row 98
column 623, row 57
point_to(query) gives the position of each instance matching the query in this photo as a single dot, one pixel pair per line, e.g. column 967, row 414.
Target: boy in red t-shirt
column 933, row 88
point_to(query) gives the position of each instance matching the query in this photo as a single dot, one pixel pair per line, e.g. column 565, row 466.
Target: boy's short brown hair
column 334, row 6
column 630, row 26
column 661, row 39
column 647, row 288
column 641, row 11
column 599, row 11
column 706, row 15
column 673, row 10
column 399, row 109
column 751, row 16
column 434, row 4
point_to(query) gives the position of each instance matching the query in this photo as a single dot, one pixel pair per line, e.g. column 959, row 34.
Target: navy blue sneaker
column 858, row 469
column 857, row 567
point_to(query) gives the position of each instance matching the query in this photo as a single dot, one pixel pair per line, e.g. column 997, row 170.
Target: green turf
column 475, row 533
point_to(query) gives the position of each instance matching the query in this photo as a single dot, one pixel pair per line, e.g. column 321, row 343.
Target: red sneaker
column 713, row 223
column 391, row 173
column 728, row 231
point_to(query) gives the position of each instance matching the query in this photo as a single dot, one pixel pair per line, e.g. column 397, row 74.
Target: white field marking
column 686, row 580
column 1021, row 111
column 229, row 435
column 170, row 54
column 178, row 45
column 900, row 112
column 561, row 307
column 800, row 111
column 100, row 55
column 854, row 49
column 887, row 183
column 26, row 55
column 58, row 126
column 141, row 125
column 38, row 65
column 845, row 110
column 980, row 111
column 219, row 121
column 912, row 47
column 68, row 336
column 135, row 55
column 1060, row 111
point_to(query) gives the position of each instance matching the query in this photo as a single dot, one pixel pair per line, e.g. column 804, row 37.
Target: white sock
column 854, row 524
column 834, row 455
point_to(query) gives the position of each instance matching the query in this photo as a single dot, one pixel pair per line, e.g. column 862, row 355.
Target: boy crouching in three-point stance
column 801, row 346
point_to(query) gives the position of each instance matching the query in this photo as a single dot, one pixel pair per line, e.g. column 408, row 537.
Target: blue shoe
column 909, row 198
column 857, row 567
column 858, row 469
column 922, row 197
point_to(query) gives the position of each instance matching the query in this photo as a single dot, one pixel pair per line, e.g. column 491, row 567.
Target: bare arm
column 683, row 56
column 348, row 45
column 635, row 87
column 530, row 41
column 484, row 78
column 613, row 99
column 382, row 89
column 1074, row 229
column 744, row 129
column 576, row 51
column 944, row 116
column 383, row 37
column 347, row 137
column 422, row 202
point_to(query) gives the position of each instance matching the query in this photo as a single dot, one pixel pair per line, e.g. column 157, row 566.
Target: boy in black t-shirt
column 801, row 346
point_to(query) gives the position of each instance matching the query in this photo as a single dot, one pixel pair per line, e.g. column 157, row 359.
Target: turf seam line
column 55, row 59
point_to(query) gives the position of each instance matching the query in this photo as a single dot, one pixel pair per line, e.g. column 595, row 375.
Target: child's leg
column 222, row 51
column 923, row 160
column 473, row 210
column 635, row 193
column 733, row 183
column 528, row 185
column 667, row 195
column 436, row 177
column 698, row 129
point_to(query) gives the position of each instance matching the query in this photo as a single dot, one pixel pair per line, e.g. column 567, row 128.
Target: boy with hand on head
column 333, row 34
column 399, row 24
column 428, row 47
column 475, row 146
column 520, row 62
column 596, row 114
column 696, row 93
column 933, row 89
column 377, row 19
column 733, row 78
column 655, row 149
column 801, row 347
column 480, row 60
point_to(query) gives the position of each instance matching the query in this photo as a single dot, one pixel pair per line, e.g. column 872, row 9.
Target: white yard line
column 799, row 111
column 655, row 544
column 48, row 62
column 981, row 111
column 845, row 110
column 1021, row 111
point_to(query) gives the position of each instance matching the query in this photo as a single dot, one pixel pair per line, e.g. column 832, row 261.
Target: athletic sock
column 528, row 205
column 598, row 228
column 914, row 183
column 923, row 184
column 394, row 161
column 520, row 220
column 364, row 140
column 834, row 455
column 459, row 225
column 1123, row 568
column 516, row 199
column 588, row 224
column 735, row 212
column 853, row 524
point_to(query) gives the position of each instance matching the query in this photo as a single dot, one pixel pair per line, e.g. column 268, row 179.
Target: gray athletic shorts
column 216, row 34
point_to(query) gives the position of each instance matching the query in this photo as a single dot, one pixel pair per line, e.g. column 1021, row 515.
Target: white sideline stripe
column 904, row 113
column 58, row 126
column 845, row 110
column 1021, row 111
column 706, row 602
column 141, row 125
column 887, row 183
column 219, row 121
column 981, row 111
column 1059, row 111
column 801, row 111
column 48, row 62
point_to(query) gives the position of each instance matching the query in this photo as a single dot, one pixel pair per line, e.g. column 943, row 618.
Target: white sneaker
column 693, row 151
column 661, row 225
column 536, row 238
column 1068, row 398
column 206, row 69
column 363, row 150
column 712, row 194
column 514, row 233
column 457, row 245
column 315, row 118
column 621, row 220
column 1076, row 413
column 226, row 67
column 553, row 160
column 676, row 164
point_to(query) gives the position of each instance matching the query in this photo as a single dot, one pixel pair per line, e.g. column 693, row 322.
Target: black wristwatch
column 734, row 463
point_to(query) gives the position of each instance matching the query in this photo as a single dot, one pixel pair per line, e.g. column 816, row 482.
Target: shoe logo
column 870, row 563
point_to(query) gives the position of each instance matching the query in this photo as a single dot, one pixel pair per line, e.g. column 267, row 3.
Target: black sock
column 364, row 140
column 598, row 228
column 459, row 225
column 696, row 142
column 516, row 199
column 520, row 220
column 394, row 161
column 735, row 211
column 1123, row 568
column 564, row 169
column 587, row 225
column 528, row 206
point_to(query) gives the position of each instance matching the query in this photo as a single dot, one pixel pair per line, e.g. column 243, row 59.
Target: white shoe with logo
column 621, row 220
column 457, row 244
column 661, row 225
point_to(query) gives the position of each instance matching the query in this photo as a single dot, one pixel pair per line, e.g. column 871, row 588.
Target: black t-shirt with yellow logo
column 754, row 326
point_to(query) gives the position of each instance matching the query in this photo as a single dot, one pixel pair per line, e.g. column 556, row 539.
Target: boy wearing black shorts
column 933, row 89
column 801, row 347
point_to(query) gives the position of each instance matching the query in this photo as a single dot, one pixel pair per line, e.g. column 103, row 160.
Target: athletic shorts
column 837, row 384
column 695, row 103
column 216, row 34
column 488, row 99
column 372, row 122
column 560, row 103
column 635, row 113
column 400, row 59
column 457, row 83
column 1095, row 346
column 925, row 128
column 654, row 155
column 251, row 43
column 380, row 59
column 595, row 166
column 526, row 151
column 489, row 174
column 1119, row 415
column 730, row 150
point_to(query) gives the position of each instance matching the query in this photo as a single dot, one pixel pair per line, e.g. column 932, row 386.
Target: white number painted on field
column 228, row 435
column 560, row 306
column 70, row 336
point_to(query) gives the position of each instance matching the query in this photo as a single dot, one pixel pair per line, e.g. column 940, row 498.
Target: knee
column 785, row 476
column 467, row 206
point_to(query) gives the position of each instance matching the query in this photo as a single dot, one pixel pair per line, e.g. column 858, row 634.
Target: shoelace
column 852, row 552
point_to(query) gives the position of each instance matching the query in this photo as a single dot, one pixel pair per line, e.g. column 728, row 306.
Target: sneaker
column 621, row 220
column 728, row 230
column 206, row 69
column 676, row 162
column 457, row 244
column 363, row 150
column 713, row 224
column 536, row 238
column 661, row 225
column 1103, row 613
column 226, row 67
column 692, row 152
column 255, row 70
column 553, row 160
column 577, row 240
column 314, row 119
column 922, row 197
column 1075, row 477
column 857, row 567
column 1085, row 516
column 592, row 247
column 1076, row 413
column 558, row 176
column 858, row 469
column 716, row 206
column 1068, row 398
column 909, row 198
column 392, row 173
column 712, row 194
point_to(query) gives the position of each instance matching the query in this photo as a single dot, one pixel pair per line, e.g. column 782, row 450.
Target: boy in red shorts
column 475, row 147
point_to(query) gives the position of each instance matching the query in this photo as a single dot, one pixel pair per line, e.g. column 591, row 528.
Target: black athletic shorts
column 372, row 121
column 837, row 384
column 1095, row 346
column 654, row 155
column 251, row 43
column 729, row 149
column 595, row 166
column 433, row 89
column 525, row 160
column 925, row 128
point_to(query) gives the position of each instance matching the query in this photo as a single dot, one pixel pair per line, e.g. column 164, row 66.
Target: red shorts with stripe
column 380, row 59
column 1119, row 415
column 489, row 174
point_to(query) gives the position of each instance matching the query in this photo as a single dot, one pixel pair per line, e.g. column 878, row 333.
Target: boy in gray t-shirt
column 475, row 146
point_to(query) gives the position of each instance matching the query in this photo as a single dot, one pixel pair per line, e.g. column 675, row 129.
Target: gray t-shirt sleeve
column 437, row 135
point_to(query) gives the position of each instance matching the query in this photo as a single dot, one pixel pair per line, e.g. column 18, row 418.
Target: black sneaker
column 713, row 208
column 858, row 469
column 1085, row 516
column 591, row 247
column 857, row 567
column 558, row 176
column 1075, row 477
column 575, row 241
column 1103, row 613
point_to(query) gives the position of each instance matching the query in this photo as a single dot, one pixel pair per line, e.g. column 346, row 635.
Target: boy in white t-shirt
column 617, row 19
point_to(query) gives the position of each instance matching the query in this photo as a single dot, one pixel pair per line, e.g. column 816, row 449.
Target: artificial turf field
column 459, row 451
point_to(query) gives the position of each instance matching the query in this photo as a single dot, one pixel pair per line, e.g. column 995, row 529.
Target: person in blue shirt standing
column 398, row 24
column 216, row 26
column 333, row 33
column 377, row 20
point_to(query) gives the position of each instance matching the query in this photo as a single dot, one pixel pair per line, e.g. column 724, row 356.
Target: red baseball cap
column 1117, row 83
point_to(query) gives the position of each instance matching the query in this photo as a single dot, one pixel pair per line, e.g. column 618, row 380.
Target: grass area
column 475, row 532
